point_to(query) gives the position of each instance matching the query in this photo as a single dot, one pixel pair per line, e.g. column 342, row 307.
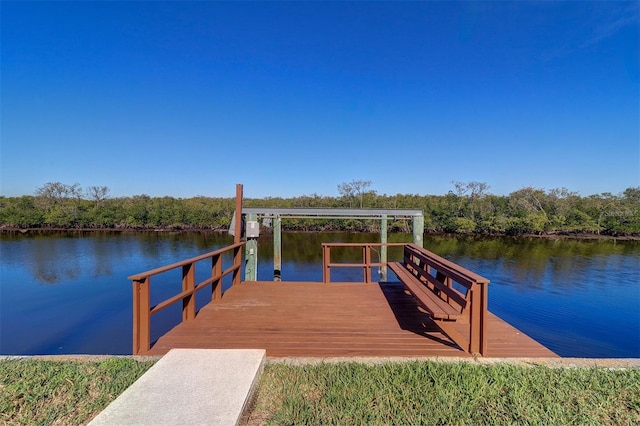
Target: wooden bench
column 460, row 309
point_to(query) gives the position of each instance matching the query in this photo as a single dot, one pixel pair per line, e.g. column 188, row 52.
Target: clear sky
column 294, row 98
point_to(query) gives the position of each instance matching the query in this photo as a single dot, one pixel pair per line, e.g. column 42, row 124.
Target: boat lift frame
column 253, row 215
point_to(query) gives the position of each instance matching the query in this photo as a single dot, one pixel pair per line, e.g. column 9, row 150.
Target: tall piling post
column 277, row 248
column 237, row 236
column 383, row 248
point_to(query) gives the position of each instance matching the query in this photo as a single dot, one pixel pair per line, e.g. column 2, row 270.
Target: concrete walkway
column 189, row 387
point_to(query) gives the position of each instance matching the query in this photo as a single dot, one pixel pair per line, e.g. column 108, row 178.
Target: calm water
column 68, row 293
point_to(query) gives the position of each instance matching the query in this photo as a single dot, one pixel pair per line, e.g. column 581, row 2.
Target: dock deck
column 301, row 319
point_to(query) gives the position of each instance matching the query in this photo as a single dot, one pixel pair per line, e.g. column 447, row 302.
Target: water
column 68, row 293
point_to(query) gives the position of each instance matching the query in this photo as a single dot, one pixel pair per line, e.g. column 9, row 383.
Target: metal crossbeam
column 328, row 213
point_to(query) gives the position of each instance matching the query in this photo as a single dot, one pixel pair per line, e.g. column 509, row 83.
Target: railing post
column 484, row 321
column 188, row 284
column 237, row 264
column 326, row 260
column 216, row 271
column 367, row 262
column 478, row 319
column 141, row 316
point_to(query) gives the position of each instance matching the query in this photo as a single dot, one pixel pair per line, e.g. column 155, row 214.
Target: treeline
column 468, row 209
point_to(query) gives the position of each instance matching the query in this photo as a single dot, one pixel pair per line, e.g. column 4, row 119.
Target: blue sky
column 294, row 98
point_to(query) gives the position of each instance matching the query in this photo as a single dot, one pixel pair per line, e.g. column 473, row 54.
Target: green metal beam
column 331, row 213
column 251, row 255
column 418, row 230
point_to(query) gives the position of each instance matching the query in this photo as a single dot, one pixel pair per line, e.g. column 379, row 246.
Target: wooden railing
column 142, row 309
column 366, row 263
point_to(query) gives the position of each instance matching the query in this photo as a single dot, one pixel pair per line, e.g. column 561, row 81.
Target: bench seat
column 461, row 314
column 435, row 306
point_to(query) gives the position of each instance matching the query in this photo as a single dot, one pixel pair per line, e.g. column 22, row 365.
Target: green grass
column 49, row 392
column 44, row 392
column 430, row 393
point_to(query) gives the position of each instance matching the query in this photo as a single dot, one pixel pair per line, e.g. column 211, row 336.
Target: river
column 68, row 293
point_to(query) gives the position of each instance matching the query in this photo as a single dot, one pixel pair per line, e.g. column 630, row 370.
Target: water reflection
column 66, row 256
column 570, row 262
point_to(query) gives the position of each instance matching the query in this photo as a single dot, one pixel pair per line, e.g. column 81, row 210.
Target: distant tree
column 98, row 194
column 527, row 200
column 632, row 194
column 354, row 189
column 470, row 193
column 626, row 218
column 526, row 212
column 20, row 211
column 56, row 192
column 137, row 208
column 562, row 206
column 346, row 190
column 60, row 202
column 599, row 206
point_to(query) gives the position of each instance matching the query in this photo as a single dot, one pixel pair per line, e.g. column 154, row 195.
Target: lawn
column 34, row 391
column 435, row 393
column 45, row 392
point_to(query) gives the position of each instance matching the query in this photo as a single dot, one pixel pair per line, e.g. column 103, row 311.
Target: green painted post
column 277, row 248
column 251, row 254
column 418, row 230
column 383, row 248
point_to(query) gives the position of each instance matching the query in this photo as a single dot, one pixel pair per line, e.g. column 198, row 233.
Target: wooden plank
column 330, row 320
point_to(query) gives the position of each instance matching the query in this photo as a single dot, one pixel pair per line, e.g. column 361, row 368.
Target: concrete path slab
column 189, row 387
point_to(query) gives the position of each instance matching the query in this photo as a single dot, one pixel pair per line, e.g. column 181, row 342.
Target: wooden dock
column 302, row 319
column 297, row 319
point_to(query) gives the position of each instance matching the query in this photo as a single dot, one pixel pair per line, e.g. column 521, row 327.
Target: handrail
column 142, row 309
column 366, row 263
column 459, row 273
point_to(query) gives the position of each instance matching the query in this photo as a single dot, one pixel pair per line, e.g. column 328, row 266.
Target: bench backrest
column 439, row 274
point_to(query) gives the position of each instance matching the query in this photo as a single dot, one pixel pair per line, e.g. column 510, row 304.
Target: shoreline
column 187, row 229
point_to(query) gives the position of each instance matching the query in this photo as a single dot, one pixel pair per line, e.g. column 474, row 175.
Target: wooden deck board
column 331, row 320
